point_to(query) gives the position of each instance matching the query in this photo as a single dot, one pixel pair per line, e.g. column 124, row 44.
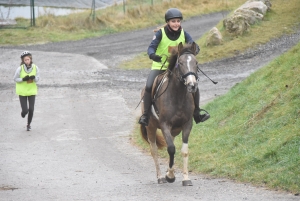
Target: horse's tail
column 160, row 141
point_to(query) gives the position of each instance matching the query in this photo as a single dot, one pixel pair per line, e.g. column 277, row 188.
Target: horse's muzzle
column 192, row 87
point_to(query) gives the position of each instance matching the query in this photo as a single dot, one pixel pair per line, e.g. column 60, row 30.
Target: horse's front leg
column 154, row 152
column 170, row 176
column 185, row 153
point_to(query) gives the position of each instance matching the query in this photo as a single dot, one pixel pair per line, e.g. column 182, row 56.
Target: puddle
column 12, row 12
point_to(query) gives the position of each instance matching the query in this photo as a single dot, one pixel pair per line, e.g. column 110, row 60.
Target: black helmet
column 25, row 53
column 173, row 13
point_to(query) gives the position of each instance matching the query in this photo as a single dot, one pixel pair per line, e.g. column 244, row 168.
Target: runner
column 26, row 77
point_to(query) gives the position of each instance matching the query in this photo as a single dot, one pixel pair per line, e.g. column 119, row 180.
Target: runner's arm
column 17, row 77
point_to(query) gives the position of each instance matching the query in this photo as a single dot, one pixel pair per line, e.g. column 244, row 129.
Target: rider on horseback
column 163, row 41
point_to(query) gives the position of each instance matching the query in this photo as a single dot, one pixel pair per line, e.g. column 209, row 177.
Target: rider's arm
column 154, row 43
column 188, row 39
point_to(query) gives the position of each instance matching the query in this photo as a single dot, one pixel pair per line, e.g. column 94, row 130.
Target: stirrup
column 201, row 117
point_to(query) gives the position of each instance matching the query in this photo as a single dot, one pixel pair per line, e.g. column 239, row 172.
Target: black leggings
column 24, row 106
column 151, row 77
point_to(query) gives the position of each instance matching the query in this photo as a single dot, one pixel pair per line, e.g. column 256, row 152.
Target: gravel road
column 80, row 144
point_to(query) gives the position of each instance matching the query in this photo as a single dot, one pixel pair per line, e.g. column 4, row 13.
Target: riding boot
column 144, row 119
column 197, row 116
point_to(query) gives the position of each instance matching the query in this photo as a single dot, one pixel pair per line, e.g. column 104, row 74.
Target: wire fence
column 8, row 8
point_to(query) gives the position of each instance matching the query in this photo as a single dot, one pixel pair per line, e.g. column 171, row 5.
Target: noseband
column 181, row 77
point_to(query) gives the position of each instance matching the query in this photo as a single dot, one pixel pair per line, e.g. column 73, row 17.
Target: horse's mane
column 174, row 55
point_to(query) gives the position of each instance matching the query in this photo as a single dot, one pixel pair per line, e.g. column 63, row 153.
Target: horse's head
column 186, row 66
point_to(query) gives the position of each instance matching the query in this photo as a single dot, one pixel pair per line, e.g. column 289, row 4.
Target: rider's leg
column 144, row 119
column 197, row 116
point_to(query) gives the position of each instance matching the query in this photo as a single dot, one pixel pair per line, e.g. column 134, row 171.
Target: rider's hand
column 155, row 57
column 26, row 78
column 32, row 77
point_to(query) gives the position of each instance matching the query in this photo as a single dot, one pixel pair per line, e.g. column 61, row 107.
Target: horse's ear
column 180, row 47
column 194, row 48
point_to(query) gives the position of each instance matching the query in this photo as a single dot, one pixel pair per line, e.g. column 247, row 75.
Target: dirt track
column 79, row 147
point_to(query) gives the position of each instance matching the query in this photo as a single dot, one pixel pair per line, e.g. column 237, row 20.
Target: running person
column 26, row 77
column 163, row 41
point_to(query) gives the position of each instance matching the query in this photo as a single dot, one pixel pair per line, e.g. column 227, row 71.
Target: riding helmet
column 25, row 53
column 173, row 13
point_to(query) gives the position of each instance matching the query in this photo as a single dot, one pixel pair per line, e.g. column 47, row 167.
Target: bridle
column 180, row 76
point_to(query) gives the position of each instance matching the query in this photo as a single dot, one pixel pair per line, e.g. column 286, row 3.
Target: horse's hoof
column 170, row 180
column 187, row 183
column 161, row 180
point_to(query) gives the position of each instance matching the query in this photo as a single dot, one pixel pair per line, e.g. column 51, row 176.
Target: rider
column 163, row 41
column 26, row 77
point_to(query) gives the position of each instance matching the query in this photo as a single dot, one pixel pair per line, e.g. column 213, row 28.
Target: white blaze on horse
column 172, row 110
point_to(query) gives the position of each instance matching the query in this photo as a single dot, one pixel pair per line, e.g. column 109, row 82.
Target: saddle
column 157, row 84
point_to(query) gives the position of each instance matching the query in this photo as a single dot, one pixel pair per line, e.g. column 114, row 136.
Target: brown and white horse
column 172, row 110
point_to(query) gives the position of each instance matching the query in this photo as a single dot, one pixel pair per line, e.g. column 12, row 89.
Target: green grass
column 253, row 134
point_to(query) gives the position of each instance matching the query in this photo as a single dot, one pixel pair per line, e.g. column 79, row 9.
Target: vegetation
column 139, row 14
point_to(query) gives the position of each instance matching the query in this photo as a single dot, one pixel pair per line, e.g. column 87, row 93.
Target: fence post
column 124, row 1
column 93, row 10
column 32, row 15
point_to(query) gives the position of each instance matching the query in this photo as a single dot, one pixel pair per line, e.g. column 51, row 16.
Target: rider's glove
column 32, row 77
column 26, row 78
column 155, row 57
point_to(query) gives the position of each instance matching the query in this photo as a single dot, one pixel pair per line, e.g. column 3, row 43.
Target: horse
column 172, row 110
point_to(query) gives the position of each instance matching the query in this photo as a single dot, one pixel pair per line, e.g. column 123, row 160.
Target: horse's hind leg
column 154, row 153
column 185, row 154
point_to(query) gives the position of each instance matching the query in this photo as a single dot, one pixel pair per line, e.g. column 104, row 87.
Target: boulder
column 250, row 16
column 257, row 6
column 266, row 2
column 236, row 24
column 214, row 37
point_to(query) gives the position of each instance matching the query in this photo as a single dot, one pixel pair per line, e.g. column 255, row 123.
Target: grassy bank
column 139, row 14
column 254, row 131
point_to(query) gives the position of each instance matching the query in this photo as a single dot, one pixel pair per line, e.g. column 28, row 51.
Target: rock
column 214, row 37
column 266, row 2
column 250, row 16
column 257, row 6
column 236, row 24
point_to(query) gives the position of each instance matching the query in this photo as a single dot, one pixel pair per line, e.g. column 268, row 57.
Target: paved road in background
column 80, row 144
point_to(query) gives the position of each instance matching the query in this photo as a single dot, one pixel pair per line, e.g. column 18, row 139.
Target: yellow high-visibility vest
column 165, row 47
column 26, row 88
